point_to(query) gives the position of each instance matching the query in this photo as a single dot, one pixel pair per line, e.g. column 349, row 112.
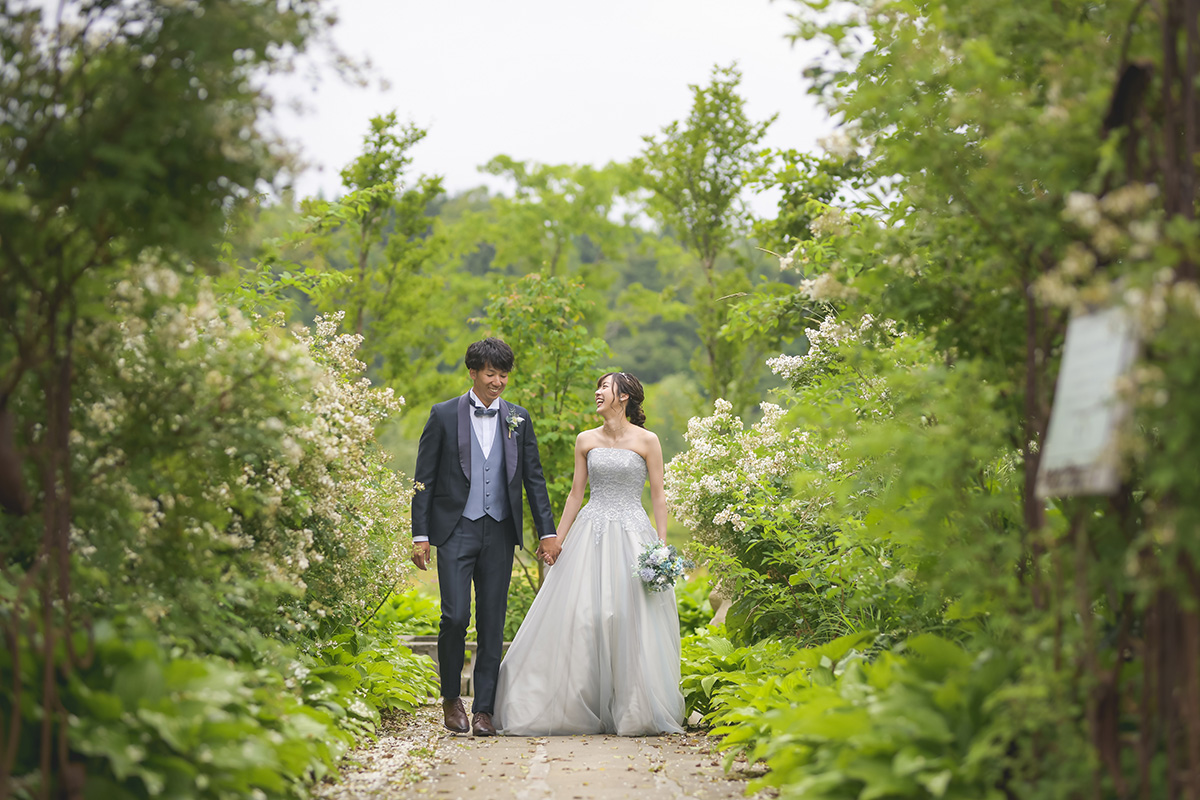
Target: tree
column 1037, row 171
column 697, row 172
column 129, row 129
column 376, row 212
column 557, row 365
column 385, row 237
column 559, row 220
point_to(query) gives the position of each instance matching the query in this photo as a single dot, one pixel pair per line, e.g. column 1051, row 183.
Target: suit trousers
column 479, row 552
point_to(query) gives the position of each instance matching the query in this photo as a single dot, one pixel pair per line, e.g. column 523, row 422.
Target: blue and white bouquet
column 659, row 565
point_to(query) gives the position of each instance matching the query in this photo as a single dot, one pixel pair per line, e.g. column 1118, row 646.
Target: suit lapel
column 509, row 439
column 464, row 435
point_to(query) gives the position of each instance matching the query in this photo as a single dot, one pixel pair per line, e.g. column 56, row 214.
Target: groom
column 476, row 453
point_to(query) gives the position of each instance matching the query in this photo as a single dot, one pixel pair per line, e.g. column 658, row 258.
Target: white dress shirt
column 485, row 427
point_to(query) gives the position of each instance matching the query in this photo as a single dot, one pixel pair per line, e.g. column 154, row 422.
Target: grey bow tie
column 480, row 411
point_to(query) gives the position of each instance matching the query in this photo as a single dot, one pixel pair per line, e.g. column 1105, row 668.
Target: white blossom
column 1083, row 209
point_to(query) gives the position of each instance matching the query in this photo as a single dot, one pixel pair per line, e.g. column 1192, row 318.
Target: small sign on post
column 1080, row 452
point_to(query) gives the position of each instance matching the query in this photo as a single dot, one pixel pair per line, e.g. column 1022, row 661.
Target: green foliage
column 558, row 363
column 921, row 723
column 997, row 199
column 378, row 668
column 384, row 241
column 151, row 720
column 411, row 612
column 521, row 591
column 807, row 184
column 698, row 169
column 375, row 202
column 207, row 484
column 560, row 220
column 151, row 716
column 697, row 172
column 91, row 102
column 270, row 284
column 691, row 598
column 711, row 663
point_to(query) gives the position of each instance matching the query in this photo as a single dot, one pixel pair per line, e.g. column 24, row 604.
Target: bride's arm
column 578, row 485
column 654, row 466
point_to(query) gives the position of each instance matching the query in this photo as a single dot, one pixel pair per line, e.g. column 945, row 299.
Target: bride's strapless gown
column 597, row 652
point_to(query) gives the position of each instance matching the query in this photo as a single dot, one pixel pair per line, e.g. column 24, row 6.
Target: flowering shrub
column 778, row 509
column 246, row 461
column 359, row 509
column 827, row 345
column 728, row 475
column 765, row 542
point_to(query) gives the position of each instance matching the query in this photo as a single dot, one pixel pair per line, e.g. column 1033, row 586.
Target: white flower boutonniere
column 513, row 421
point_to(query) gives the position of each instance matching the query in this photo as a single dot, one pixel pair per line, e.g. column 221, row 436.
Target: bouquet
column 659, row 565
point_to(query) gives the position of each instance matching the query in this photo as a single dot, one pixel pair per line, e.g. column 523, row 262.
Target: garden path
column 415, row 758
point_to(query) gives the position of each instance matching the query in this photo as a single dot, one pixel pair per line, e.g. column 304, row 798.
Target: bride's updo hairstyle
column 628, row 385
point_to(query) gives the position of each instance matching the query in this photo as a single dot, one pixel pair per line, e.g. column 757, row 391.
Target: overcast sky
column 556, row 81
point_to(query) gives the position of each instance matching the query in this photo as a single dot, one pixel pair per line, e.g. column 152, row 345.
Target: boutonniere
column 513, row 421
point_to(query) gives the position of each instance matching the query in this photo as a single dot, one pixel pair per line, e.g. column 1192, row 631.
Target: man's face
column 488, row 382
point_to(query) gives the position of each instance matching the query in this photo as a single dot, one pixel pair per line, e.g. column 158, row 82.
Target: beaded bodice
column 616, row 478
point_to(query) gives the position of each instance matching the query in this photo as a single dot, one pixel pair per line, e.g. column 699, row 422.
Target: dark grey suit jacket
column 444, row 469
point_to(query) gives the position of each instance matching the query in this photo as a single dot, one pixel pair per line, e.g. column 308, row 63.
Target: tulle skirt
column 597, row 652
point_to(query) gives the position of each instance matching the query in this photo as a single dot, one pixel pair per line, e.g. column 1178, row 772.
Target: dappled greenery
column 1009, row 171
column 198, row 524
column 204, row 545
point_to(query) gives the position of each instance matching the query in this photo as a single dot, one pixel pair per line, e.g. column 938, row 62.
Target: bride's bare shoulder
column 588, row 439
column 647, row 437
column 646, row 444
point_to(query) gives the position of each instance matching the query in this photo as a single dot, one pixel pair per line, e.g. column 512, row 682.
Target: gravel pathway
column 415, row 757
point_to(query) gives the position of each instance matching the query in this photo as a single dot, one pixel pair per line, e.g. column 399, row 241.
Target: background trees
column 1019, row 177
column 172, row 467
column 385, row 243
column 187, row 435
column 696, row 175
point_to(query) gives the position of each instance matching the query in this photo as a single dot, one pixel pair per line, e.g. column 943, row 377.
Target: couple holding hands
column 597, row 652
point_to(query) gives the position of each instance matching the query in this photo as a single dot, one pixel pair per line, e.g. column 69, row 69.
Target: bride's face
column 606, row 396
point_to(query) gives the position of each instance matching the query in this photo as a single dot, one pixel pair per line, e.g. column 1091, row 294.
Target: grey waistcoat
column 489, row 487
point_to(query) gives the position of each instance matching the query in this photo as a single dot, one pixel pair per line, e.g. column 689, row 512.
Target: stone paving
column 416, row 758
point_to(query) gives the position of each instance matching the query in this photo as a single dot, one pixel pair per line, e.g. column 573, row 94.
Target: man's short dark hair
column 490, row 351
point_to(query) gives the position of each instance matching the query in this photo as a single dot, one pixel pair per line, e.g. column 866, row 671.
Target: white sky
column 555, row 81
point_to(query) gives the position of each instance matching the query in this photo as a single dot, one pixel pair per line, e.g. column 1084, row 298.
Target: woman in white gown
column 598, row 652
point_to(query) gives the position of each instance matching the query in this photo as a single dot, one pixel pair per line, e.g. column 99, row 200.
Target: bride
column 598, row 652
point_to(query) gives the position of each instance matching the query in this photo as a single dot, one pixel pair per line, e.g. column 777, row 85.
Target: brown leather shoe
column 456, row 715
column 481, row 724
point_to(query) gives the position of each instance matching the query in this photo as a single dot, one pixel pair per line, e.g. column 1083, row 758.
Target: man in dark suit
column 476, row 454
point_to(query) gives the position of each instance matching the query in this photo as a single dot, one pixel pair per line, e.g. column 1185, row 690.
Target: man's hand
column 420, row 555
column 549, row 549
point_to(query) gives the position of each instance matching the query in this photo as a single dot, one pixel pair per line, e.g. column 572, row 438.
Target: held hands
column 549, row 548
column 420, row 555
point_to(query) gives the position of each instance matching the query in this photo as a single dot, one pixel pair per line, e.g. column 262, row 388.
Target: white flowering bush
column 825, row 275
column 826, row 356
column 779, row 508
column 738, row 489
column 359, row 507
column 718, row 486
column 213, row 450
column 1125, row 226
